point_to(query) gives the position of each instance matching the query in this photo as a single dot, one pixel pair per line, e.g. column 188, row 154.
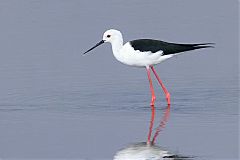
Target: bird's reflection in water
column 143, row 151
column 148, row 150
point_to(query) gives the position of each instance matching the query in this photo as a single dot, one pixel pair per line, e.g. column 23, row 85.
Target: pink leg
column 151, row 86
column 167, row 94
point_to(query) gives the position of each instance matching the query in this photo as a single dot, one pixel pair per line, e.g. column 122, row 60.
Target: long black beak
column 98, row 44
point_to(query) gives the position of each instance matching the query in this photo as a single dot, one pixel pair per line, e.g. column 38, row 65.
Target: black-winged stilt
column 145, row 53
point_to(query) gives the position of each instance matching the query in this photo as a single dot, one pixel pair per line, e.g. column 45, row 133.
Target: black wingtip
column 204, row 45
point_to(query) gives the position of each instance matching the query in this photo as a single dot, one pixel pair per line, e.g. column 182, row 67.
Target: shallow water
column 57, row 104
column 195, row 127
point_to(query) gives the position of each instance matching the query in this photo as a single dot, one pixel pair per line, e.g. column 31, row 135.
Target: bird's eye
column 108, row 36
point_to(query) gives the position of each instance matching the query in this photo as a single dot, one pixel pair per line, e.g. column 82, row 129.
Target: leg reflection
column 160, row 127
column 162, row 123
column 151, row 125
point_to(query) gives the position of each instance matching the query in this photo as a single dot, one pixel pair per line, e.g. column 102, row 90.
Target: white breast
column 129, row 56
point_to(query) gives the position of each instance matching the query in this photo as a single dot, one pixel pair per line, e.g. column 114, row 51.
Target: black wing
column 145, row 45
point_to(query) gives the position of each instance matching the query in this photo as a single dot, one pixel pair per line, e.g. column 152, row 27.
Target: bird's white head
column 112, row 36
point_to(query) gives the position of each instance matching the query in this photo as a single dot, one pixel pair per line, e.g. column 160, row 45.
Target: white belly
column 129, row 56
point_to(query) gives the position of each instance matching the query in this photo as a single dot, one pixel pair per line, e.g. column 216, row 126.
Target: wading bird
column 145, row 53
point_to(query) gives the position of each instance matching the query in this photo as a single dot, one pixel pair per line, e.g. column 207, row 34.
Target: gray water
column 57, row 104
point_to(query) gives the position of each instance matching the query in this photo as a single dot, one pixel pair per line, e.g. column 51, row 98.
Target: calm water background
column 55, row 103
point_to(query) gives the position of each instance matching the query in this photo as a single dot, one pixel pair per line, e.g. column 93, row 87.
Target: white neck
column 117, row 44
